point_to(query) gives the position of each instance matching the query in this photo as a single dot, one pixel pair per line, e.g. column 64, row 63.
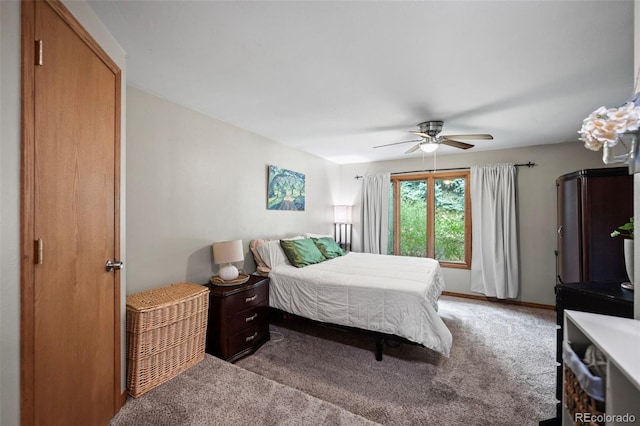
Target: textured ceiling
column 337, row 78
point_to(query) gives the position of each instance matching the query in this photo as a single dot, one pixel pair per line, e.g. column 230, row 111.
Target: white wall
column 536, row 205
column 193, row 180
column 10, row 189
column 9, row 213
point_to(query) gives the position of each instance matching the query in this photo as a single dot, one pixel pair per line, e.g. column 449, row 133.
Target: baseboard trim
column 504, row 301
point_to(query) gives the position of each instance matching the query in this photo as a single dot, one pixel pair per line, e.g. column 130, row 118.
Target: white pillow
column 261, row 268
column 272, row 254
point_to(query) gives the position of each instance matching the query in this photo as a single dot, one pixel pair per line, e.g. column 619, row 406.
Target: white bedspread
column 389, row 294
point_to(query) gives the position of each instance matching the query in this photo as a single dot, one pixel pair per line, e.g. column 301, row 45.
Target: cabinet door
column 569, row 235
column 607, row 203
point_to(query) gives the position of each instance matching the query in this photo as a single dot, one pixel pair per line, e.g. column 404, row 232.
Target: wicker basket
column 166, row 333
column 577, row 399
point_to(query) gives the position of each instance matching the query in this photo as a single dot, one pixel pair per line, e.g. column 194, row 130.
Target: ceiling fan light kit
column 429, row 131
column 429, row 146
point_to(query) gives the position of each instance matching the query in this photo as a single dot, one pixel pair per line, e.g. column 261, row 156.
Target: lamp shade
column 429, row 146
column 342, row 214
column 228, row 251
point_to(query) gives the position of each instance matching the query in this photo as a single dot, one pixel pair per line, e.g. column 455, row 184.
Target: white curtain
column 375, row 210
column 494, row 264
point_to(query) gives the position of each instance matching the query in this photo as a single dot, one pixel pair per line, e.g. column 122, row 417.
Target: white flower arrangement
column 603, row 125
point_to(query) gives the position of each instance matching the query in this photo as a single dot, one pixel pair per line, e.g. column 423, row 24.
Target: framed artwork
column 285, row 190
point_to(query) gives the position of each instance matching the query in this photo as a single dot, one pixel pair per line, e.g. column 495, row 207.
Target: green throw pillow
column 328, row 247
column 301, row 252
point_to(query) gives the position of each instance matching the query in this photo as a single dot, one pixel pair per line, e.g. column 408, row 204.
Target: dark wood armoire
column 592, row 203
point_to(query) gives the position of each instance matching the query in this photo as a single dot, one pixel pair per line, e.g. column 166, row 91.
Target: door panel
column 75, row 302
column 569, row 231
column 607, row 203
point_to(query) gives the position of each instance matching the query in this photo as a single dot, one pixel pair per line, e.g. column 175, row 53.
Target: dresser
column 238, row 318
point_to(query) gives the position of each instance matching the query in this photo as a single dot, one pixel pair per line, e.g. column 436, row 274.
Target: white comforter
column 389, row 294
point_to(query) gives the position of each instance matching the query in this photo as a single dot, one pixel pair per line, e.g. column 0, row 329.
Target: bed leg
column 379, row 347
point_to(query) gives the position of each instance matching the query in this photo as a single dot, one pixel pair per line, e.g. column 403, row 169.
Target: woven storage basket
column 166, row 333
column 577, row 399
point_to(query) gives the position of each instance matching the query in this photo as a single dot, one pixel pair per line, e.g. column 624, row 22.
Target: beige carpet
column 214, row 392
column 501, row 372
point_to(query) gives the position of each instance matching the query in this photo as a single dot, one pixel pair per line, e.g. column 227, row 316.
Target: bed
column 389, row 295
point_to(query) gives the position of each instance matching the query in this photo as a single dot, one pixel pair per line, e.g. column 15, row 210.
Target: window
column 431, row 217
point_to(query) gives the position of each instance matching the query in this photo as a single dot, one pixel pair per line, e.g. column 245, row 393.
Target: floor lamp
column 342, row 219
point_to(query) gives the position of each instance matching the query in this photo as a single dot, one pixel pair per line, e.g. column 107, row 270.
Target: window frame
column 431, row 236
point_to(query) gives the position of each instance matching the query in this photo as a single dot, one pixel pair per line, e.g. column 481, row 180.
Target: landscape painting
column 285, row 190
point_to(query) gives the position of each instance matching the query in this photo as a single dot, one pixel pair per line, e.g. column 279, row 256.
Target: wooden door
column 71, row 315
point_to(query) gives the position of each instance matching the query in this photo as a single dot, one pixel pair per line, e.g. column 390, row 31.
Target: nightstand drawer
column 246, row 299
column 246, row 339
column 251, row 318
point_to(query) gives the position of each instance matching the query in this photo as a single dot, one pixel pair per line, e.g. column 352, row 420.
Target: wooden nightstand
column 238, row 318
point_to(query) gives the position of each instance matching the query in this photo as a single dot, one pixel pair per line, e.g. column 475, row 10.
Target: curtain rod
column 528, row 164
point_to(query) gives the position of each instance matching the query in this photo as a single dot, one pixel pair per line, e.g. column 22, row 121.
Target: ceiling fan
column 429, row 131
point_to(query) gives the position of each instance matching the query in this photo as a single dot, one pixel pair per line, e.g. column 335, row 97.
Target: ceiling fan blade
column 478, row 136
column 422, row 135
column 413, row 148
column 456, row 144
column 397, row 143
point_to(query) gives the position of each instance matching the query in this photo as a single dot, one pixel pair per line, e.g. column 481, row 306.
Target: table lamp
column 342, row 220
column 224, row 253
